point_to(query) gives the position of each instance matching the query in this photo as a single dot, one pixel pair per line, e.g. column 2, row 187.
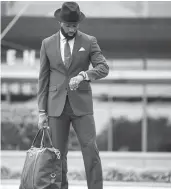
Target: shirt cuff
column 40, row 114
column 42, row 110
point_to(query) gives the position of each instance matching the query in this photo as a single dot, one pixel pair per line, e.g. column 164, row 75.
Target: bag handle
column 34, row 140
column 43, row 129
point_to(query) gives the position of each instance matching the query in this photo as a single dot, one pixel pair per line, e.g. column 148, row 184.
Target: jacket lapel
column 77, row 45
column 61, row 66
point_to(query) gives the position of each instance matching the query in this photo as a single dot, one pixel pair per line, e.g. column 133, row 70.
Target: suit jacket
column 54, row 77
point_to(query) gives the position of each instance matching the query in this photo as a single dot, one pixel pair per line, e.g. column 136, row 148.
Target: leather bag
column 43, row 167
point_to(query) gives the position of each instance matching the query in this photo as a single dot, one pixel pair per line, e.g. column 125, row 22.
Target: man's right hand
column 43, row 120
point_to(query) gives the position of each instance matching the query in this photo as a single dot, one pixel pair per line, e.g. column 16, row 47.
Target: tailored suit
column 65, row 106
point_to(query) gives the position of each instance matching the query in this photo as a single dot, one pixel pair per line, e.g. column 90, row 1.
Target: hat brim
column 57, row 16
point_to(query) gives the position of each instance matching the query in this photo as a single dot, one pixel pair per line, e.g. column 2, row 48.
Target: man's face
column 70, row 29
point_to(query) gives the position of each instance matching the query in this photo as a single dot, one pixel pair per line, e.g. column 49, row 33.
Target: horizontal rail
column 138, row 160
column 114, row 77
column 105, row 154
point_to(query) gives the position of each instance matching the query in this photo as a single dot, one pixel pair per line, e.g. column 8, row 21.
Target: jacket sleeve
column 43, row 79
column 100, row 68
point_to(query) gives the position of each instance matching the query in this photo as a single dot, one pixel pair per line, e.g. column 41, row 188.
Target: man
column 64, row 91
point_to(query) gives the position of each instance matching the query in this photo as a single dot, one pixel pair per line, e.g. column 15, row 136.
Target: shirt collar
column 61, row 36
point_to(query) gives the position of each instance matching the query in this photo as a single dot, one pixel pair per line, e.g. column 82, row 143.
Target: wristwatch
column 83, row 74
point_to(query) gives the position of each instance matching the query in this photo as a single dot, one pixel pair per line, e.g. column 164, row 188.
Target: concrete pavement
column 85, row 187
column 14, row 184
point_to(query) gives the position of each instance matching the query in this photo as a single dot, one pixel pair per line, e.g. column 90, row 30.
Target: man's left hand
column 75, row 81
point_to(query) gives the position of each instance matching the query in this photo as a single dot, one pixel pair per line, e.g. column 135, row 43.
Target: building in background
column 104, row 8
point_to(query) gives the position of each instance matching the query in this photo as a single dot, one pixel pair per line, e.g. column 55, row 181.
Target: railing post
column 110, row 126
column 8, row 94
column 144, row 125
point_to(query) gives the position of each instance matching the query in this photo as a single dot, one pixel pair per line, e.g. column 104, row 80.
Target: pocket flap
column 52, row 88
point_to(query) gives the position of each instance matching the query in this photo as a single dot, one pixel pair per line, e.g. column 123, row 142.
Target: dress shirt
column 62, row 44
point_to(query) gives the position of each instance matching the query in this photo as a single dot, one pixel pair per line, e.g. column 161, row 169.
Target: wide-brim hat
column 69, row 13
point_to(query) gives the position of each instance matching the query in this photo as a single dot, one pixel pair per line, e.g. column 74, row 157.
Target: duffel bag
column 43, row 167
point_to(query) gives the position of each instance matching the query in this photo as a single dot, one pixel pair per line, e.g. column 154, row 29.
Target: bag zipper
column 35, row 166
column 25, row 165
column 23, row 173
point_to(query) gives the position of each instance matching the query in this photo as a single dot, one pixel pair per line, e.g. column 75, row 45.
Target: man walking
column 64, row 90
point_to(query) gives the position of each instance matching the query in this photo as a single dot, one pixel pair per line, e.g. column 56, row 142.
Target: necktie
column 67, row 54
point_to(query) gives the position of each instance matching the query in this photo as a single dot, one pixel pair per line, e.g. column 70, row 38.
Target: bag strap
column 35, row 138
column 43, row 129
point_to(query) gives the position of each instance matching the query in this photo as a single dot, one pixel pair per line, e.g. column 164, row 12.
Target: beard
column 68, row 37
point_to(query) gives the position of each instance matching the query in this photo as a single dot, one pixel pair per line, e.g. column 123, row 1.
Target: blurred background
column 132, row 105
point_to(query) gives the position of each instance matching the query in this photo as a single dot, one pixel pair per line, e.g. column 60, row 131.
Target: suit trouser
column 84, row 127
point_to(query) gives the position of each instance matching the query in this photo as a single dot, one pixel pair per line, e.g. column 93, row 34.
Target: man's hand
column 43, row 120
column 75, row 81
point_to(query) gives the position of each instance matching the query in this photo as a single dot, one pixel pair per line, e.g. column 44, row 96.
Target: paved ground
column 84, row 187
column 14, row 184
